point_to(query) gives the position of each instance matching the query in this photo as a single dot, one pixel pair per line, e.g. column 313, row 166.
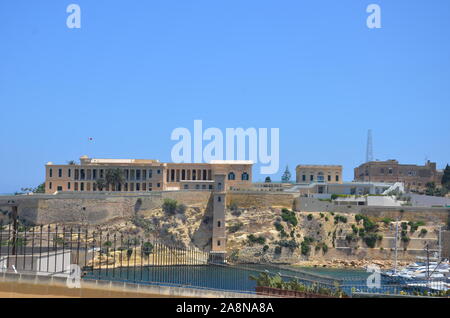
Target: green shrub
column 147, row 248
column 278, row 226
column 423, row 232
column 371, row 239
column 265, row 248
column 309, row 217
column 258, row 240
column 415, row 225
column 340, row 218
column 305, row 248
column 277, row 250
column 289, row 217
column 169, row 206
column 235, row 227
column 351, row 237
column 291, row 244
column 368, row 224
column 386, row 220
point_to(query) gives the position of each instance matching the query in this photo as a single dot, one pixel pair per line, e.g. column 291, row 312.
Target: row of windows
column 198, row 187
column 88, row 186
column 94, row 174
column 175, row 175
column 232, row 176
column 320, row 178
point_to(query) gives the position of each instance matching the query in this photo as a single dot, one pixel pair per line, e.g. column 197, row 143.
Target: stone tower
column 219, row 239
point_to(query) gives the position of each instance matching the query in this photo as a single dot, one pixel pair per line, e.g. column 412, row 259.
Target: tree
column 39, row 189
column 147, row 248
column 101, row 184
column 446, row 178
column 169, row 206
column 430, row 188
column 268, row 180
column 286, row 176
column 71, row 162
column 114, row 177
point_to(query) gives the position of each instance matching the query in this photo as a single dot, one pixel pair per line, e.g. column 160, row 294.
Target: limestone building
column 318, row 173
column 415, row 177
column 142, row 175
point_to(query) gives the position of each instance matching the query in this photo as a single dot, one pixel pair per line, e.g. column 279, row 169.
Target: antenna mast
column 369, row 150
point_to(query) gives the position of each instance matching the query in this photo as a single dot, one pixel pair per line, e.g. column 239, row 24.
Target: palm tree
column 101, row 184
column 114, row 177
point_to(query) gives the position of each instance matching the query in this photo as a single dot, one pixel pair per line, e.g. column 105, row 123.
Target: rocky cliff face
column 278, row 235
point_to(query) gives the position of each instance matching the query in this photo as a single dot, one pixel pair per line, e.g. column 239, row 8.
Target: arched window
column 244, row 176
column 320, row 177
column 231, row 176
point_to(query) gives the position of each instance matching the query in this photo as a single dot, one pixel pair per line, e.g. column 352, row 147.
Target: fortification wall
column 425, row 214
column 261, row 200
column 91, row 208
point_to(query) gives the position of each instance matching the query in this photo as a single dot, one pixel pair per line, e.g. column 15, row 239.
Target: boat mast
column 396, row 237
column 440, row 242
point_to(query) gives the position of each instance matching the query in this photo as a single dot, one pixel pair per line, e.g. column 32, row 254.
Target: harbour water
column 237, row 278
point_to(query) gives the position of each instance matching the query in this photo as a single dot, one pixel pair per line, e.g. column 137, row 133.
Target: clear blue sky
column 138, row 69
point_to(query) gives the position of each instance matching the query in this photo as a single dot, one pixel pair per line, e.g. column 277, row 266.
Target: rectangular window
column 144, row 186
column 144, row 174
column 158, row 172
column 94, row 174
column 329, row 178
column 59, row 188
column 59, row 173
column 68, row 185
column 75, row 186
column 138, row 187
column 82, row 175
column 132, row 175
column 101, row 173
column 337, row 178
column 150, row 173
column 50, row 171
column 304, row 177
column 138, row 174
column 50, row 185
column 82, row 186
column 158, row 185
column 311, row 178
column 89, row 174
column 69, row 173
